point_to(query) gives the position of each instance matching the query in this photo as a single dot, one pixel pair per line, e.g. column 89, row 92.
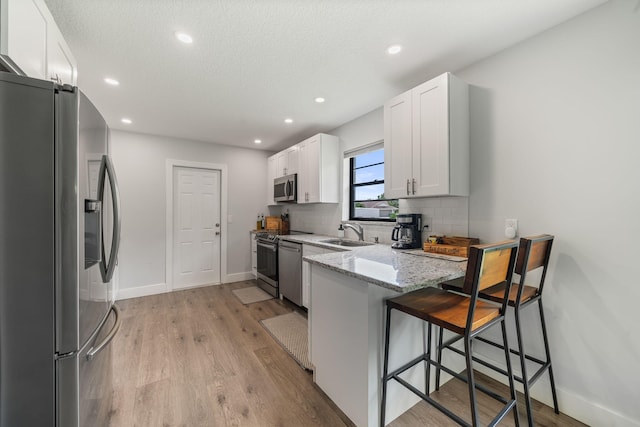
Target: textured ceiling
column 255, row 62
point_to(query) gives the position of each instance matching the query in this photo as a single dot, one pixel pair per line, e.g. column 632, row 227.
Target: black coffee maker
column 406, row 233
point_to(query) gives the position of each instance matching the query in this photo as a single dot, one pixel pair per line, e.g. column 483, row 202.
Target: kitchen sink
column 342, row 242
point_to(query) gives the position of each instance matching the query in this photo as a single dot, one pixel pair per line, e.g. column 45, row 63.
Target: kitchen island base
column 347, row 319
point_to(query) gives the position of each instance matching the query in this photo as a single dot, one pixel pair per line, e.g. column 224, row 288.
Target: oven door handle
column 271, row 247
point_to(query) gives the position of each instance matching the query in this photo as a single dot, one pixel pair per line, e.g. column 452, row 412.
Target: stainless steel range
column 267, row 254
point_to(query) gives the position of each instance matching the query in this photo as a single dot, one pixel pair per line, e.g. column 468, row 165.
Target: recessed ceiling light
column 287, row 120
column 258, row 141
column 110, row 81
column 392, row 50
column 126, row 121
column 319, row 100
column 184, row 37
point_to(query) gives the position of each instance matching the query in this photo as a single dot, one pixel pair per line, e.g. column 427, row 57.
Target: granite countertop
column 398, row 270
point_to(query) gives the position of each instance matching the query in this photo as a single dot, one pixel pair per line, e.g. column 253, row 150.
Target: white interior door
column 196, row 227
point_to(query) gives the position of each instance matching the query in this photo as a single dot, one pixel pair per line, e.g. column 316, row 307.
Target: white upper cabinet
column 61, row 65
column 280, row 164
column 287, row 161
column 316, row 160
column 272, row 173
column 31, row 39
column 427, row 140
column 318, row 177
column 397, row 146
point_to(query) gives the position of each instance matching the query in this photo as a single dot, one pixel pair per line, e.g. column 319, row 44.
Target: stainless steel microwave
column 285, row 188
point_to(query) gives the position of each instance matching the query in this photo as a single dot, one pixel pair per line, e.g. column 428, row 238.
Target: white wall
column 555, row 143
column 140, row 161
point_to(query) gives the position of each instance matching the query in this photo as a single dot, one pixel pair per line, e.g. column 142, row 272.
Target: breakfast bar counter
column 398, row 270
column 347, row 318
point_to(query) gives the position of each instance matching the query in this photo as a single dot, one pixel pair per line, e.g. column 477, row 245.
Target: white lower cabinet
column 308, row 250
column 254, row 255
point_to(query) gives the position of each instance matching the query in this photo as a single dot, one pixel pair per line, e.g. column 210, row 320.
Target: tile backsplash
column 317, row 218
column 444, row 215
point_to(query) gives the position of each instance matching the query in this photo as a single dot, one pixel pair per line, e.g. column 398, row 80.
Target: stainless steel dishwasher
column 290, row 270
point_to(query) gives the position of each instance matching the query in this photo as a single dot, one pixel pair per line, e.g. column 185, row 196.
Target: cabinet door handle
column 408, row 187
column 413, row 185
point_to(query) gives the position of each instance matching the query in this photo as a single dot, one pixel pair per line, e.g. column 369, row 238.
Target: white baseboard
column 142, row 291
column 161, row 288
column 238, row 277
column 571, row 404
column 591, row 413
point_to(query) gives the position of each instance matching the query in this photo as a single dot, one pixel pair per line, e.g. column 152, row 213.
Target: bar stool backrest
column 534, row 253
column 489, row 265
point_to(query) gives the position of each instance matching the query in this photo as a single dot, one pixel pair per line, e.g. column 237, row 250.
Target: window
column 366, row 184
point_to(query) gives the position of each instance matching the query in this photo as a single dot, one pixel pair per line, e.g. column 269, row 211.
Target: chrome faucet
column 359, row 230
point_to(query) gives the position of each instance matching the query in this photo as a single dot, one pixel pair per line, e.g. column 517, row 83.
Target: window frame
column 352, row 191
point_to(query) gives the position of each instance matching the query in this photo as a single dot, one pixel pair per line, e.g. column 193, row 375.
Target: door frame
column 171, row 165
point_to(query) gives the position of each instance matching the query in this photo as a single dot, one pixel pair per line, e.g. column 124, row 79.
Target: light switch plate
column 510, row 228
column 426, row 225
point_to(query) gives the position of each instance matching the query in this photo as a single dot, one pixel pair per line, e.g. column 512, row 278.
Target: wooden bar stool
column 466, row 316
column 533, row 254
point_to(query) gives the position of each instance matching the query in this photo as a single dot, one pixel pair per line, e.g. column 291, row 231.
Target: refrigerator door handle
column 106, row 168
column 112, row 333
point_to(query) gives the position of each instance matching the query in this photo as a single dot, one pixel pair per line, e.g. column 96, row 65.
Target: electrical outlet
column 510, row 228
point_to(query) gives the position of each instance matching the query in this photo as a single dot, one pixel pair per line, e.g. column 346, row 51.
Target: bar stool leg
column 512, row 387
column 548, row 354
column 523, row 367
column 439, row 357
column 471, row 381
column 386, row 367
column 427, row 353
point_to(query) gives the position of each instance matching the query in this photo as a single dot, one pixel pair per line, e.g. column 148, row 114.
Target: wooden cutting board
column 276, row 225
column 452, row 245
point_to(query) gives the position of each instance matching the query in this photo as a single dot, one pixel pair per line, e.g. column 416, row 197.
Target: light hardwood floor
column 200, row 358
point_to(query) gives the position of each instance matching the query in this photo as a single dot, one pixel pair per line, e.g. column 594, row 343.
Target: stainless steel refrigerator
column 59, row 238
